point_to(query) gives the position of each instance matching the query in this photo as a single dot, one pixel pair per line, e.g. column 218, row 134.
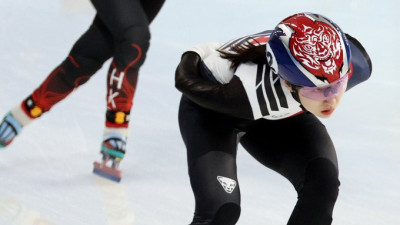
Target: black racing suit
column 214, row 117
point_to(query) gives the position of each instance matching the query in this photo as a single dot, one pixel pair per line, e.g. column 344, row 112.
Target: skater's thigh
column 96, row 43
column 288, row 146
column 211, row 144
column 205, row 131
column 151, row 8
column 120, row 15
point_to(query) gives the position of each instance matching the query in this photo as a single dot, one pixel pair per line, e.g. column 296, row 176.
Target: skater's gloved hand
column 9, row 129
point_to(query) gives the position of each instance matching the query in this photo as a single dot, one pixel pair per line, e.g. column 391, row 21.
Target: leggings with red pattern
column 120, row 30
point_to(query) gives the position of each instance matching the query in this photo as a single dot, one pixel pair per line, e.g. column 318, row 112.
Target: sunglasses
column 326, row 92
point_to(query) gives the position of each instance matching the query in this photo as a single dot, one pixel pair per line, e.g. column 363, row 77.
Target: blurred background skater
column 120, row 30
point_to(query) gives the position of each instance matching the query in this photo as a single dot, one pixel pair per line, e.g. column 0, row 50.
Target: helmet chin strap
column 294, row 90
column 295, row 93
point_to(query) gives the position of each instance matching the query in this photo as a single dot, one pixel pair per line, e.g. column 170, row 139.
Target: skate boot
column 16, row 119
column 9, row 129
column 113, row 151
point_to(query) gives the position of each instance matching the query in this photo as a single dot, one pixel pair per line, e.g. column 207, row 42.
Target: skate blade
column 107, row 172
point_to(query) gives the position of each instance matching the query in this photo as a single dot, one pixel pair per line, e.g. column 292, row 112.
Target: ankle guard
column 31, row 109
column 117, row 119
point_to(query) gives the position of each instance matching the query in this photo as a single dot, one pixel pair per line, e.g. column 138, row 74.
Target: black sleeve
column 230, row 98
column 362, row 65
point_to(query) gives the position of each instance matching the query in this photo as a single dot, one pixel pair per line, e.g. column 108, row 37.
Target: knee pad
column 228, row 214
column 214, row 183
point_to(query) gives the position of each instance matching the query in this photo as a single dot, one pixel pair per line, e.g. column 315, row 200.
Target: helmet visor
column 327, row 92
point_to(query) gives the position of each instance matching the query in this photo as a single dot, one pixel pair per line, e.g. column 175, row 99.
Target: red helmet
column 308, row 49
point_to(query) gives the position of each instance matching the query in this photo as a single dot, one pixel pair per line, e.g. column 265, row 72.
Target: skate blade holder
column 110, row 173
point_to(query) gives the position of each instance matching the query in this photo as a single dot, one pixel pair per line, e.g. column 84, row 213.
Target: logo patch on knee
column 227, row 183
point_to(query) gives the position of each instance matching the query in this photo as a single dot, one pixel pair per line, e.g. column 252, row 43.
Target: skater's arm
column 193, row 80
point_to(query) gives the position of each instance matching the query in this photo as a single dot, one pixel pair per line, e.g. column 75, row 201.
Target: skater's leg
column 129, row 26
column 211, row 144
column 128, row 22
column 300, row 149
column 86, row 56
column 151, row 8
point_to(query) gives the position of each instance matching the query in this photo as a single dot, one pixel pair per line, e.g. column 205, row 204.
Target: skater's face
column 321, row 107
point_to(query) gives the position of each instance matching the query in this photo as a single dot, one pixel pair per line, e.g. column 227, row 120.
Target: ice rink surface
column 45, row 175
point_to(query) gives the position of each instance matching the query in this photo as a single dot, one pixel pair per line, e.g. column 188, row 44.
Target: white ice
column 46, row 174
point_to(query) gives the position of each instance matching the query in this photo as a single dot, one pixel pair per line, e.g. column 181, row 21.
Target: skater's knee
column 322, row 178
column 132, row 46
column 135, row 34
column 227, row 214
column 317, row 194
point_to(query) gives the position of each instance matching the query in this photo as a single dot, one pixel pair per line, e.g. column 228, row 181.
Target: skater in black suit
column 265, row 91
